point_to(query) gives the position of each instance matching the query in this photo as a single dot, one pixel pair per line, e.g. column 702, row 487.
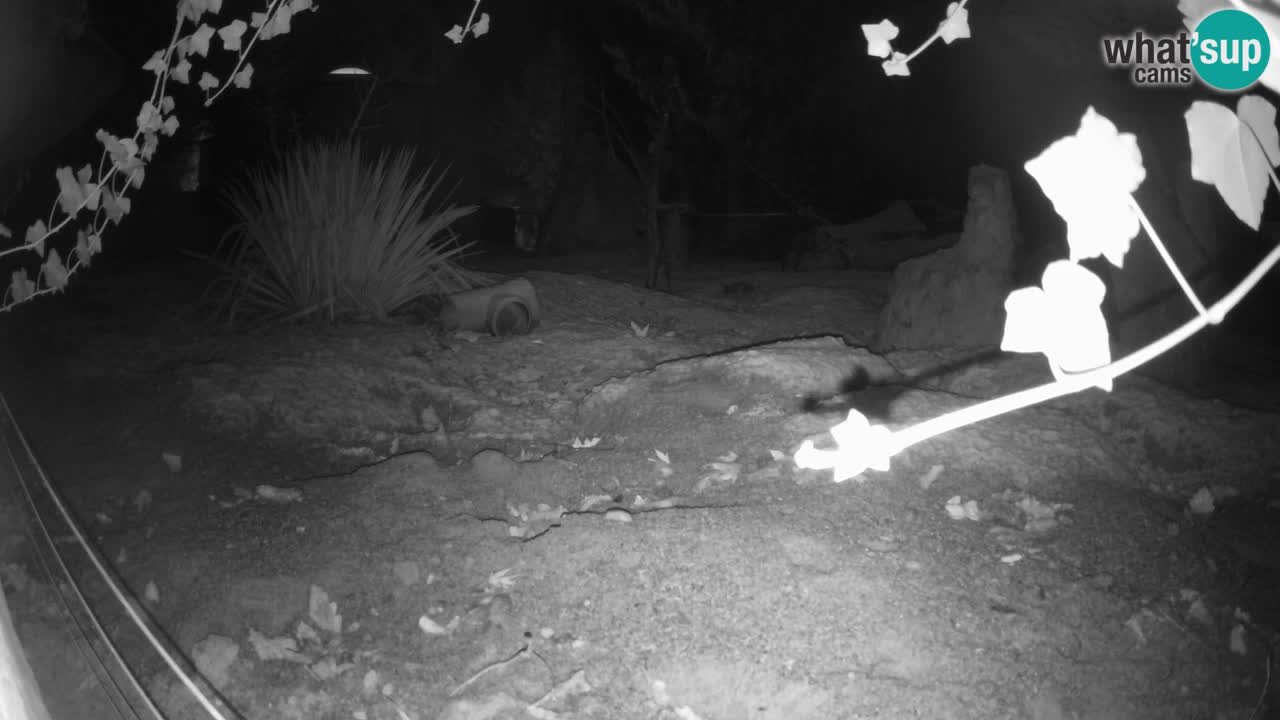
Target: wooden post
column 20, row 697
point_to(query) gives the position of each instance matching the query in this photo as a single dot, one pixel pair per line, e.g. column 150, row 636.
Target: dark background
column 785, row 110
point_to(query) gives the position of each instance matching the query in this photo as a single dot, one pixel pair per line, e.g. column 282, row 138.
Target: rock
column 407, row 572
column 955, row 296
column 493, row 466
column 878, row 242
column 213, row 657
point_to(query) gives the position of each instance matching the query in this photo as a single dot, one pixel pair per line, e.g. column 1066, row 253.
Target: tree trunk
column 659, row 255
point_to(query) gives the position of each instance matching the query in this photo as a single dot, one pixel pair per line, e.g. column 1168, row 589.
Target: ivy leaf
column 112, row 145
column 455, row 34
column 871, row 441
column 879, row 38
column 55, row 273
column 232, row 34
column 301, row 5
column 266, row 31
column 208, row 82
column 166, row 104
column 257, row 19
column 21, row 286
column 1090, row 178
column 1235, row 152
column 282, row 22
column 193, row 9
column 123, row 151
column 243, row 78
column 956, row 26
column 35, row 237
column 200, row 40
column 5, row 232
column 1062, row 319
column 92, row 196
column 896, row 65
column 116, row 208
column 860, row 446
column 170, row 126
column 70, row 195
column 149, row 144
column 148, row 117
column 90, row 189
column 87, row 245
column 155, row 63
column 482, row 25
column 182, row 72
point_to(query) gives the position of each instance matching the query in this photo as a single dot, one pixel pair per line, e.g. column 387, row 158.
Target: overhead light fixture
column 350, row 70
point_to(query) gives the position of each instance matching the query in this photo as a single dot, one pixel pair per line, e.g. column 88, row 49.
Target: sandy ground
column 601, row 519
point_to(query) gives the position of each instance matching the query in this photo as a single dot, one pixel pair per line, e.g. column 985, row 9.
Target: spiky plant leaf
column 328, row 229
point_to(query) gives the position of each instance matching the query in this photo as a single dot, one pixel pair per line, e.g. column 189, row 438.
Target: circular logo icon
column 1231, row 50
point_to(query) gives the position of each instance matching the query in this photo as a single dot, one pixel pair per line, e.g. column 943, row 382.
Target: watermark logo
column 1228, row 51
column 1233, row 50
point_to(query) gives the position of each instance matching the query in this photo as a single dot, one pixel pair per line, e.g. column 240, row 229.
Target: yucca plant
column 325, row 231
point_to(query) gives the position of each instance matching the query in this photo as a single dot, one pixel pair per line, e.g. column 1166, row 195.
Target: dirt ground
column 601, row 519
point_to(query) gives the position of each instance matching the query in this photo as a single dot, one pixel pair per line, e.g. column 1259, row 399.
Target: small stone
column 429, row 420
column 493, row 466
column 407, row 572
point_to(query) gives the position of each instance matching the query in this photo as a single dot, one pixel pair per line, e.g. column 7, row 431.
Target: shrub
column 326, row 232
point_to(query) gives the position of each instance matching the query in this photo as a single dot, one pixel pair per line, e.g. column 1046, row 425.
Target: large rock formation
column 955, row 296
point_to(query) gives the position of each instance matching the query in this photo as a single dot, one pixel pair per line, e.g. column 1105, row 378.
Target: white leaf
column 231, row 35
column 1226, row 154
column 155, row 63
column 200, row 40
column 896, row 65
column 1090, row 177
column 182, row 72
column 244, row 77
column 282, row 22
column 1062, row 319
column 879, row 38
column 148, row 118
column 70, row 194
column 956, row 26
